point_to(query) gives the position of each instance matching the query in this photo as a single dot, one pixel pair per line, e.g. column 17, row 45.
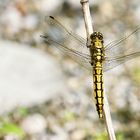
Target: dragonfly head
column 96, row 35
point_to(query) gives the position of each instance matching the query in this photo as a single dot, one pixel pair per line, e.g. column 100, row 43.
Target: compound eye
column 100, row 36
column 93, row 35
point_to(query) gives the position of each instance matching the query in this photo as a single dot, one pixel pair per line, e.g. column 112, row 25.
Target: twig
column 89, row 30
column 108, row 119
column 87, row 17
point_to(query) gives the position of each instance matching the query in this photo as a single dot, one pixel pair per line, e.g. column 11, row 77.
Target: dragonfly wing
column 68, row 42
column 122, row 50
column 56, row 31
column 126, row 44
column 110, row 63
column 81, row 58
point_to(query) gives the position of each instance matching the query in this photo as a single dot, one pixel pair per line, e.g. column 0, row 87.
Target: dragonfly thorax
column 97, row 47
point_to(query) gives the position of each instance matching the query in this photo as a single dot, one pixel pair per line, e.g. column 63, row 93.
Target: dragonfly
column 94, row 56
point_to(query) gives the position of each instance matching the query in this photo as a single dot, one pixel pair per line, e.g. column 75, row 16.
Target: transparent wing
column 69, row 43
column 110, row 63
column 124, row 44
column 122, row 50
column 57, row 32
column 81, row 58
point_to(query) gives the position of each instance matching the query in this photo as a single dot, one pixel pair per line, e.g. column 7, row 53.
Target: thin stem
column 89, row 31
column 87, row 17
column 108, row 119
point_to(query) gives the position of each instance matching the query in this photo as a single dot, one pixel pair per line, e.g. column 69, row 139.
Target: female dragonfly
column 95, row 56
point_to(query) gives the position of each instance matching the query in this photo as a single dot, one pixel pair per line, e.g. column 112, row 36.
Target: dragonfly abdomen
column 98, row 88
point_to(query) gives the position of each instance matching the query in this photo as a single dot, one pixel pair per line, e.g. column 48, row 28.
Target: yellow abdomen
column 98, row 87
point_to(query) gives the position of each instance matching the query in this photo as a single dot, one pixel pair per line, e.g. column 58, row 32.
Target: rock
column 78, row 135
column 27, row 76
column 11, row 137
column 34, row 124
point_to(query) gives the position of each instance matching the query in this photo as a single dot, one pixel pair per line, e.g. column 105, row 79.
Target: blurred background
column 45, row 95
